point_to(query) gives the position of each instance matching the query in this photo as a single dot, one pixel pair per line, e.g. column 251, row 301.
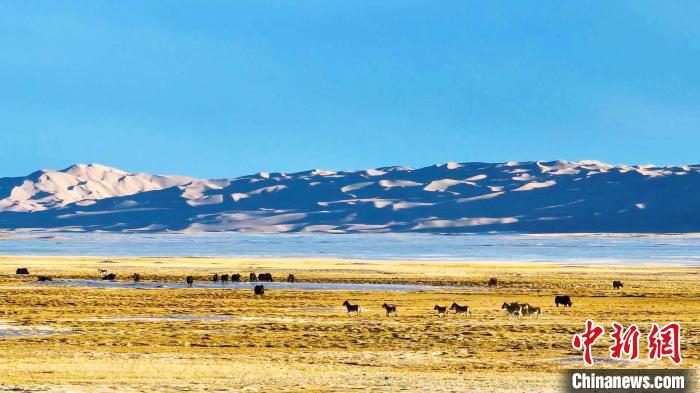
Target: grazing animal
column 253, row 277
column 617, row 284
column 352, row 307
column 136, row 277
column 466, row 310
column 102, row 271
column 290, row 278
column 564, row 300
column 441, row 311
column 224, row 278
column 22, row 270
column 531, row 310
column 109, row 277
column 259, row 290
column 514, row 309
column 265, row 277
column 493, row 282
column 236, row 277
column 215, row 277
column 44, row 278
column 190, row 281
column 390, row 309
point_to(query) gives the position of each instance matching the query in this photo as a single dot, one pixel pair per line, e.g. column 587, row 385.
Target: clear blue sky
column 226, row 88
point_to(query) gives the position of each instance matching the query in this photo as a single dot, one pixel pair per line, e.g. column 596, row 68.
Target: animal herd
column 223, row 278
column 513, row 309
column 516, row 310
column 252, row 277
column 456, row 308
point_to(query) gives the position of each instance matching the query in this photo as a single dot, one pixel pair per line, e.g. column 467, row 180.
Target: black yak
column 564, row 300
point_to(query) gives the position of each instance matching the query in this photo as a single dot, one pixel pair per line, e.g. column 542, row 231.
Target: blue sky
column 227, row 88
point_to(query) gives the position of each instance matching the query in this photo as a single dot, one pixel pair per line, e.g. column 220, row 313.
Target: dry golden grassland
column 292, row 340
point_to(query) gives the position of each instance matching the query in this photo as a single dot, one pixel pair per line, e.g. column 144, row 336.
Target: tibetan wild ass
column 564, row 300
column 531, row 310
column 514, row 309
column 441, row 311
column 617, row 284
column 190, row 281
column 352, row 307
column 390, row 309
column 465, row 310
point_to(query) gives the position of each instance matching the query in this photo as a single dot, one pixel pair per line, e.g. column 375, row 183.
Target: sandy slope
column 532, row 197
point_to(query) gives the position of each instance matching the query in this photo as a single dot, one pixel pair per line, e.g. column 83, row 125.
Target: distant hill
column 532, row 197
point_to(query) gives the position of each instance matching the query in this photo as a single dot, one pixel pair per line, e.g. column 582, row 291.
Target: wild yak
column 493, row 282
column 564, row 300
column 44, row 278
column 109, row 277
column 136, row 277
column 224, row 278
column 259, row 290
column 22, row 270
column 253, row 277
column 290, row 278
column 265, row 277
column 617, row 284
column 190, row 281
column 236, row 277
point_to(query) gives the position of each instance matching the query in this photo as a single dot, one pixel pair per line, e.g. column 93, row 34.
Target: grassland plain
column 55, row 338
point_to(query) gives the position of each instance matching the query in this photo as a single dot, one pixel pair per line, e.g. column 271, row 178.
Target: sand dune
column 531, row 197
column 47, row 189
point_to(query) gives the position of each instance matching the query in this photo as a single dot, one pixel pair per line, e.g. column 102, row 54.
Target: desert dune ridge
column 523, row 197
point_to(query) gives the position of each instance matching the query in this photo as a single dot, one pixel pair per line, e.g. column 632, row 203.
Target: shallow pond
column 10, row 330
column 300, row 286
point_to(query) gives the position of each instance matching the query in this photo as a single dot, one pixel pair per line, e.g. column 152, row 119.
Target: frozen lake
column 666, row 249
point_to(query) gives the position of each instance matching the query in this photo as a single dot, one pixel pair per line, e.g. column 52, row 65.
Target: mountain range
column 527, row 197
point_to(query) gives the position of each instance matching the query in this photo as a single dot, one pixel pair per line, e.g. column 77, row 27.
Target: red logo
column 586, row 340
column 662, row 342
column 665, row 341
column 626, row 342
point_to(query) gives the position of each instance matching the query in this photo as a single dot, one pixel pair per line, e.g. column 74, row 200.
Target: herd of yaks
column 514, row 309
